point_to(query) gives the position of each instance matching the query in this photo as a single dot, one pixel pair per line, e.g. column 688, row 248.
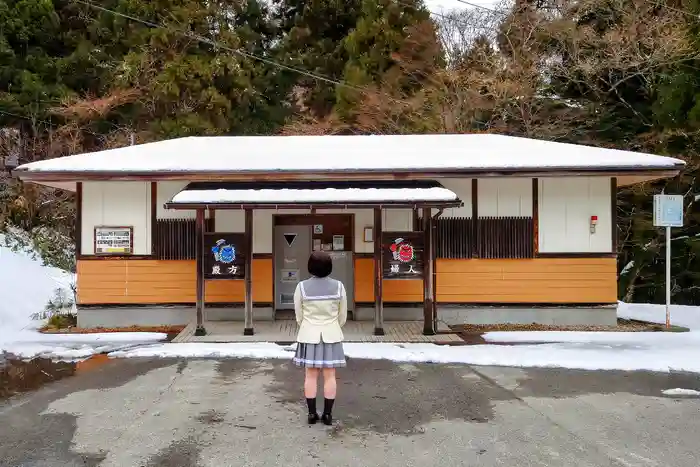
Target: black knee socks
column 312, row 405
column 328, row 406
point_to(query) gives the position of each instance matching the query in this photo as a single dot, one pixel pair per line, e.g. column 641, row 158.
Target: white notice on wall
column 113, row 240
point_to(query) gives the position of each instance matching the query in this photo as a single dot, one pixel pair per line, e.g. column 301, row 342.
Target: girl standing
column 320, row 305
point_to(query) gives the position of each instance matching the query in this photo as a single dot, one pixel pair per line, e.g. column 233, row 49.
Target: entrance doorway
column 295, row 237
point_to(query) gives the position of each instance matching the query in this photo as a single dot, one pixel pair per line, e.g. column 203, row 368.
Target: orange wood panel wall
column 403, row 290
column 124, row 281
column 538, row 280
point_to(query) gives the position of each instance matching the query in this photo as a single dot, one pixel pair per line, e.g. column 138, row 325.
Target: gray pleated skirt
column 321, row 355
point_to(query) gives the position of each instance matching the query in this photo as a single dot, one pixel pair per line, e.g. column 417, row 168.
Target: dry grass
column 623, row 325
column 76, row 330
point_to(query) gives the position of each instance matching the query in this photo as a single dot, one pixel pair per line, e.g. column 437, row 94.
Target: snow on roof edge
column 365, row 153
column 334, row 195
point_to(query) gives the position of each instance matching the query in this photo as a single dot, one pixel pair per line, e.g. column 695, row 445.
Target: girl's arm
column 343, row 307
column 297, row 303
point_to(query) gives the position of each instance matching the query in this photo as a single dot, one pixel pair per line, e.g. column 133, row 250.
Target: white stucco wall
column 462, row 187
column 504, row 197
column 566, row 205
column 229, row 220
column 118, row 204
column 166, row 191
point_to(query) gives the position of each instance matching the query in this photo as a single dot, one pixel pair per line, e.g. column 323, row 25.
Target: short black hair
column 320, row 264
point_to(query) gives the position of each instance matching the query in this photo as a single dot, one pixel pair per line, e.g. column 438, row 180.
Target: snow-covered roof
column 272, row 194
column 230, row 157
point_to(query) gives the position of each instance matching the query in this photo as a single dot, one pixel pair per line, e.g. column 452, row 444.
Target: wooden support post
column 378, row 271
column 199, row 255
column 433, row 259
column 428, row 311
column 248, row 319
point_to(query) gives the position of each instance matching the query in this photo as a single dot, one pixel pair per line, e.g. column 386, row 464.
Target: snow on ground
column 584, row 356
column 686, row 316
column 25, row 288
column 627, row 351
column 680, row 392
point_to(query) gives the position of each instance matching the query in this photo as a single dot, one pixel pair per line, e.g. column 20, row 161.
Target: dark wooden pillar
column 428, row 305
column 378, row 272
column 248, row 318
column 199, row 255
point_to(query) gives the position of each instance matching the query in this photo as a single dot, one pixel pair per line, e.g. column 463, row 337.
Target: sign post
column 668, row 212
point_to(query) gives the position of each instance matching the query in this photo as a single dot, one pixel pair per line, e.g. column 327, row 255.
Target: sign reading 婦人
column 402, row 255
column 114, row 240
column 224, row 257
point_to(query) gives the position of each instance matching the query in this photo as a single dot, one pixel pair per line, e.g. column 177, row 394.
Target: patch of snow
column 585, row 356
column 681, row 315
column 645, row 339
column 258, row 350
column 680, row 392
column 345, row 195
column 628, row 267
column 30, row 344
column 357, row 154
column 25, row 287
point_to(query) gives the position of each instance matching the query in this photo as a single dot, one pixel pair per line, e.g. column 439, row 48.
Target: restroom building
column 477, row 228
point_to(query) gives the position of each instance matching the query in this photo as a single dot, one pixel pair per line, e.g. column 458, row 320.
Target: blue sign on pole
column 668, row 210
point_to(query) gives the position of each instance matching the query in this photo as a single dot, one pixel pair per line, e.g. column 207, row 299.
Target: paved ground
column 158, row 413
column 285, row 330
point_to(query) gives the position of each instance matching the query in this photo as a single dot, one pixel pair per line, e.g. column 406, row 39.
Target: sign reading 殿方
column 402, row 255
column 224, row 255
column 114, row 240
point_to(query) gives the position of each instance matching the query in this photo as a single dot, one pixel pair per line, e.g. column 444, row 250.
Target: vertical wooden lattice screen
column 487, row 237
column 175, row 238
column 507, row 237
column 453, row 238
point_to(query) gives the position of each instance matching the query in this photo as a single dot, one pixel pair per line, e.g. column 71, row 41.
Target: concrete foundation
column 452, row 315
column 599, row 316
column 162, row 315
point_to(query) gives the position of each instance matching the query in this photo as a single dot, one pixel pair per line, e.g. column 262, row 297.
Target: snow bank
column 257, row 350
column 584, row 356
column 25, row 288
column 686, row 316
column 681, row 392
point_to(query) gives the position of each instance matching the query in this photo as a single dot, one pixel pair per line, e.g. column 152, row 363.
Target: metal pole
column 248, row 312
column 668, row 277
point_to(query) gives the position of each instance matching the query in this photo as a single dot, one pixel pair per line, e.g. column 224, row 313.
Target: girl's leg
column 330, row 388
column 310, row 385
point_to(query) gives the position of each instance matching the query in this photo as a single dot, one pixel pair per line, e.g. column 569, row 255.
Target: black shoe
column 327, row 419
column 313, row 418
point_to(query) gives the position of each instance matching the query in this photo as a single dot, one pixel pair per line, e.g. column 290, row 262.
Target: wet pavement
column 196, row 413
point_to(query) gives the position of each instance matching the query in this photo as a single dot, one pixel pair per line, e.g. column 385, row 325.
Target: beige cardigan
column 320, row 317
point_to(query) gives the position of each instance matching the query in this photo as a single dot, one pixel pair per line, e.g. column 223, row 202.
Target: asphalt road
column 158, row 413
